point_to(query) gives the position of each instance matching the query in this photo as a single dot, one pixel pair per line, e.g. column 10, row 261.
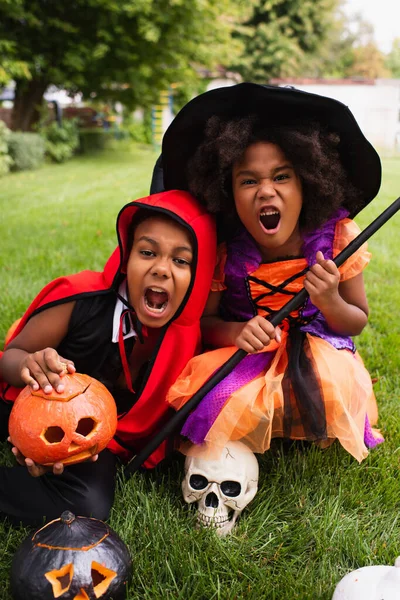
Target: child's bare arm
column 343, row 304
column 30, row 359
column 251, row 336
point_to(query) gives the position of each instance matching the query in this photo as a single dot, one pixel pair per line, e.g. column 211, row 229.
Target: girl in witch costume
column 122, row 326
column 284, row 171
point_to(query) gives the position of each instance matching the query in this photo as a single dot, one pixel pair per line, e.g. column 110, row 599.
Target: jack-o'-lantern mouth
column 81, row 456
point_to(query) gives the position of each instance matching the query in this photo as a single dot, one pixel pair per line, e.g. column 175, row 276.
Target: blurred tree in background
column 130, row 50
column 10, row 67
column 277, row 35
column 369, row 62
column 393, row 59
column 126, row 50
column 349, row 50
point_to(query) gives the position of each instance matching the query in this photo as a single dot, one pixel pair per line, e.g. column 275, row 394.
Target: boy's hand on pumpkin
column 256, row 334
column 44, row 369
column 322, row 282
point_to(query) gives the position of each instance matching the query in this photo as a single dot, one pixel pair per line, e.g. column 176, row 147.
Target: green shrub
column 26, row 149
column 94, row 139
column 139, row 131
column 5, row 159
column 61, row 140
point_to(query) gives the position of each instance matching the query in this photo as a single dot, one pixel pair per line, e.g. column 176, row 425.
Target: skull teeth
column 217, row 521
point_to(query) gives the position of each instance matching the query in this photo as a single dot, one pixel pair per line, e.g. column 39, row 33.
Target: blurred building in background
column 375, row 103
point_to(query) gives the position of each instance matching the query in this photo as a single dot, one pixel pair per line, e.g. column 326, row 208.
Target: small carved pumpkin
column 67, row 427
column 71, row 558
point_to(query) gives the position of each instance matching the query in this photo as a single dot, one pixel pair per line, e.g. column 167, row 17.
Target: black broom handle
column 180, row 416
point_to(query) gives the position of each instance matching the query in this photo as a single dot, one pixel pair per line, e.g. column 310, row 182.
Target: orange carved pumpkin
column 67, row 427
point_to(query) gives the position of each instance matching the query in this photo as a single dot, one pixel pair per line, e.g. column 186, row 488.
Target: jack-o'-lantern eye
column 53, row 435
column 60, row 579
column 86, row 426
column 101, row 577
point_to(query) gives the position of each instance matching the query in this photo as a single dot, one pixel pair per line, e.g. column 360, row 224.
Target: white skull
column 223, row 487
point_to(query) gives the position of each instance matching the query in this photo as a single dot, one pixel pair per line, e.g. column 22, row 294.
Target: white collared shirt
column 127, row 324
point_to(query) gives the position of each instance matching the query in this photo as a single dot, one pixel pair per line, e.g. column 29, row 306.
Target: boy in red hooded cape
column 133, row 326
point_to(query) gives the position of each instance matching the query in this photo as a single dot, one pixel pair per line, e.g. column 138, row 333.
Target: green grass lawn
column 318, row 514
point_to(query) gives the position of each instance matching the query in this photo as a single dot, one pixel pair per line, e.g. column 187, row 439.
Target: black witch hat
column 276, row 106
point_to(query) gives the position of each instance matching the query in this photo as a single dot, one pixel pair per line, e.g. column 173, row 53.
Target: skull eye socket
column 231, row 488
column 198, row 482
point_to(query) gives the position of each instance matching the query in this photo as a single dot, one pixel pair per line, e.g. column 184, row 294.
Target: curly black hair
column 312, row 151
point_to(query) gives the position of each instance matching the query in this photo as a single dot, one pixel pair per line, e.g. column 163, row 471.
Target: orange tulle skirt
column 254, row 413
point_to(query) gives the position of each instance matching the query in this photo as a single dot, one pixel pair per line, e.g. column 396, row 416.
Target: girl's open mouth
column 155, row 299
column 270, row 219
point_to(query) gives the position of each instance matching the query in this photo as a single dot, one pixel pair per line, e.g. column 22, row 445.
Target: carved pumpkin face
column 71, row 558
column 67, row 427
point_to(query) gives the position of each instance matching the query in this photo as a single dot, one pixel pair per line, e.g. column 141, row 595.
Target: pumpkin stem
column 67, row 517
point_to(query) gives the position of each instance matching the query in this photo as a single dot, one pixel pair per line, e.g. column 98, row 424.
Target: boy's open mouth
column 270, row 218
column 156, row 299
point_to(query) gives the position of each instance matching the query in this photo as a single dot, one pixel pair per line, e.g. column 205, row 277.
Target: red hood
column 179, row 340
column 182, row 207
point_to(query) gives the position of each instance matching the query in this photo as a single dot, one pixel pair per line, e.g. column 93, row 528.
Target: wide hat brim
column 277, row 106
